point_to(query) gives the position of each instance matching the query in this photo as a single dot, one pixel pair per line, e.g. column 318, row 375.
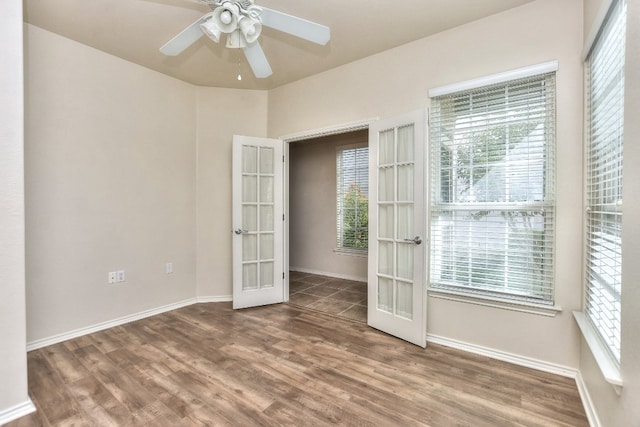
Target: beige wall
column 13, row 365
column 594, row 11
column 129, row 169
column 110, row 185
column 398, row 80
column 623, row 410
column 221, row 113
column 312, row 208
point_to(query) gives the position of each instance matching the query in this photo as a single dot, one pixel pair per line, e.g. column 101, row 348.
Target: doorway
column 328, row 224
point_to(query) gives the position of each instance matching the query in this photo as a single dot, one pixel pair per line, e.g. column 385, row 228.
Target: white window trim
column 496, row 302
column 519, row 73
column 362, row 253
column 351, row 146
column 600, row 352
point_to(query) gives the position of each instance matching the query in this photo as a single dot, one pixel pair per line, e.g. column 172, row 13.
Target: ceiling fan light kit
column 210, row 29
column 242, row 21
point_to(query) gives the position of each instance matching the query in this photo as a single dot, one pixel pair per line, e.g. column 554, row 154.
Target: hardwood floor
column 281, row 365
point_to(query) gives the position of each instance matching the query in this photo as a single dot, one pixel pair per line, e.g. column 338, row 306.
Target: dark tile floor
column 338, row 297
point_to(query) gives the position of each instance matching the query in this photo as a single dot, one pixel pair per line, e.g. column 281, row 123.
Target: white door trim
column 329, row 130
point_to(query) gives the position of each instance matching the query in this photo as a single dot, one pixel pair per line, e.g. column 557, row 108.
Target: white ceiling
column 135, row 29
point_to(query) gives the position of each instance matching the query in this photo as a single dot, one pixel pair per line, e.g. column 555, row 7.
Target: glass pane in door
column 385, row 294
column 404, row 299
column 385, row 216
column 385, row 258
column 249, row 159
column 405, row 221
column 266, row 189
column 266, row 274
column 405, row 183
column 250, row 276
column 405, row 144
column 404, row 263
column 249, row 247
column 266, row 218
column 266, row 246
column 250, row 218
column 386, row 147
column 249, row 188
column 266, row 160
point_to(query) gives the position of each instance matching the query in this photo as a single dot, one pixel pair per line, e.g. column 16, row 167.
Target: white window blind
column 352, row 192
column 605, row 112
column 492, row 209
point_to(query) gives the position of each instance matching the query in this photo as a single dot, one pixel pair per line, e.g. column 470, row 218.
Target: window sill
column 487, row 301
column 362, row 253
column 607, row 365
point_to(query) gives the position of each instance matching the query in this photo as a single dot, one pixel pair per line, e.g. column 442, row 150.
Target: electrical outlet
column 113, row 278
column 120, row 274
column 168, row 268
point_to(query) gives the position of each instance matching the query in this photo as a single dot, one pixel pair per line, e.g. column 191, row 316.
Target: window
column 352, row 178
column 605, row 111
column 492, row 204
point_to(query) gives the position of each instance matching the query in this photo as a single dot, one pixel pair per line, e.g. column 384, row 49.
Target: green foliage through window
column 352, row 177
column 355, row 219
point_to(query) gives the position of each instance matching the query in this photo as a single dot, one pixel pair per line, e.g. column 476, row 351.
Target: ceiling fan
column 242, row 22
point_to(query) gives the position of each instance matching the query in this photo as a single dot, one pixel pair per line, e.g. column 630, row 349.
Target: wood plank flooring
column 281, row 365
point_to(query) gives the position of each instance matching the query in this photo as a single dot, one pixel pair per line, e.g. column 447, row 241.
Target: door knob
column 416, row 240
column 239, row 231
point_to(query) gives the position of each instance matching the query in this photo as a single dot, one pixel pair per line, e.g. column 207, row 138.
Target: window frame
column 485, row 296
column 340, row 149
column 607, row 357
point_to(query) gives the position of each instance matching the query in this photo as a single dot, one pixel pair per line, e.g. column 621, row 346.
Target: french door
column 258, row 218
column 397, row 227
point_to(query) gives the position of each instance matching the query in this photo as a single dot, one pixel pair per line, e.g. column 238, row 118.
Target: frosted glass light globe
column 225, row 17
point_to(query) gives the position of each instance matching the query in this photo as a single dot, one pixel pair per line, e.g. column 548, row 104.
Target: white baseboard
column 15, row 412
column 505, row 356
column 34, row 345
column 528, row 362
column 589, row 407
column 328, row 274
column 224, row 298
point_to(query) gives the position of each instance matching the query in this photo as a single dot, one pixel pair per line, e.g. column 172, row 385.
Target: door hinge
column 283, row 274
column 283, row 158
column 283, row 217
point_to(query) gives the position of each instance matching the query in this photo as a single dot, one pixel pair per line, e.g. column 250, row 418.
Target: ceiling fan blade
column 184, row 39
column 316, row 33
column 257, row 60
